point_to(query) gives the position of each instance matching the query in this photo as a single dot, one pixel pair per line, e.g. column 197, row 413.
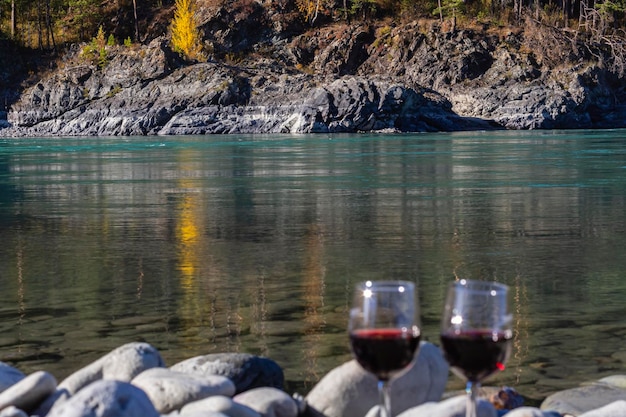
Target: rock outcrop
column 357, row 78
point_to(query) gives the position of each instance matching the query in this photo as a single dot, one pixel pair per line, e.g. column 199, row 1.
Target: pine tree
column 185, row 33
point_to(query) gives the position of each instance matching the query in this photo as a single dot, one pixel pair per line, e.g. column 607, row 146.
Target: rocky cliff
column 341, row 78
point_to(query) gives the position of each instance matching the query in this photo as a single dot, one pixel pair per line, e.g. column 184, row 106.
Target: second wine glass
column 476, row 333
column 384, row 331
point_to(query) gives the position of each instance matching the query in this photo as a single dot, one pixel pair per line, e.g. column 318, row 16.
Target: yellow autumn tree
column 185, row 33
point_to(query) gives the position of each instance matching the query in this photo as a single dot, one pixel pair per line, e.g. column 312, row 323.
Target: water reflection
column 253, row 244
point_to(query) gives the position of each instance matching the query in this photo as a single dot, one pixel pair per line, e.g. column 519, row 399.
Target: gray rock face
column 349, row 391
column 245, row 370
column 339, row 79
column 106, row 399
column 169, row 390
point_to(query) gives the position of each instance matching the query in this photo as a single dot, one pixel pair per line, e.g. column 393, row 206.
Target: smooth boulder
column 169, row 390
column 121, row 364
column 219, row 404
column 614, row 409
column 452, row 407
column 245, row 370
column 28, row 393
column 576, row 401
column 270, row 402
column 106, row 398
column 350, row 391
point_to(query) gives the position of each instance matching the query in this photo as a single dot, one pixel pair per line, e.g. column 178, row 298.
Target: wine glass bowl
column 476, row 332
column 384, row 331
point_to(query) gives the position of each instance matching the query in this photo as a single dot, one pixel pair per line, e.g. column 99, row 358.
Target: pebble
column 170, row 390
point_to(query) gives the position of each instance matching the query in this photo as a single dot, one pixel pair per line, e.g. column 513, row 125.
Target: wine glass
column 476, row 333
column 384, row 331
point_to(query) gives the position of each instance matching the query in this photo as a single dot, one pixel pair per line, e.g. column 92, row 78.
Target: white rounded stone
column 106, row 398
column 219, row 404
column 531, row 412
column 452, row 407
column 614, row 409
column 350, row 391
column 28, row 393
column 580, row 400
column 169, row 390
column 121, row 364
column 271, row 402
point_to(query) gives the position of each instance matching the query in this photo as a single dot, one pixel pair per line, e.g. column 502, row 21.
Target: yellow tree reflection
column 314, row 291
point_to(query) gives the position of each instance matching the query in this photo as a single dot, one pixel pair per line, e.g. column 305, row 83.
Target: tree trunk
column 39, row 25
column 136, row 22
column 13, row 20
column 49, row 26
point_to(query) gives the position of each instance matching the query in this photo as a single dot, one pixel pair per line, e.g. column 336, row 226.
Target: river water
column 253, row 243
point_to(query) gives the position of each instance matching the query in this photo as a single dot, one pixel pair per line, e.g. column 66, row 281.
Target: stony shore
column 389, row 77
column 134, row 381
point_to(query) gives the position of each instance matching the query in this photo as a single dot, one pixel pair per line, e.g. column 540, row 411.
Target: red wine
column 384, row 352
column 476, row 354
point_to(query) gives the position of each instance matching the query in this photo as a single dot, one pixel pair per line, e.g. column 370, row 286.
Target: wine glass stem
column 385, row 403
column 471, row 388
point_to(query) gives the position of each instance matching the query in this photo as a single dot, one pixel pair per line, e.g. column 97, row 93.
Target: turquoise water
column 253, row 244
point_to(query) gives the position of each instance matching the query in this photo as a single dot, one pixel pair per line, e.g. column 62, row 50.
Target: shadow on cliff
column 19, row 67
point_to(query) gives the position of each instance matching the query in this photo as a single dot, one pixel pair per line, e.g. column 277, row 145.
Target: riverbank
column 133, row 380
column 376, row 76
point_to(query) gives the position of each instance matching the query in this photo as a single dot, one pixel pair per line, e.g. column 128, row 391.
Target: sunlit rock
column 122, row 364
column 106, row 398
column 350, row 391
column 169, row 390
